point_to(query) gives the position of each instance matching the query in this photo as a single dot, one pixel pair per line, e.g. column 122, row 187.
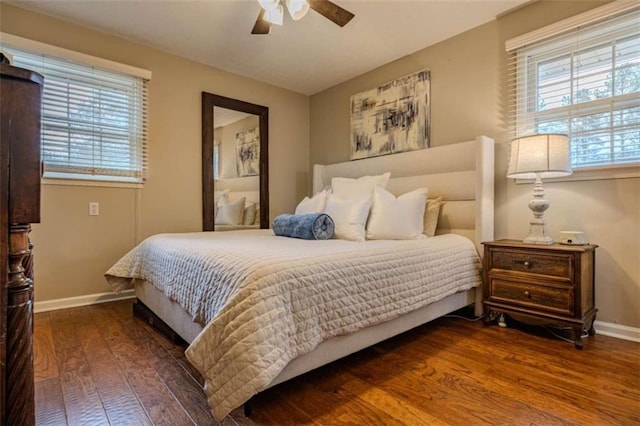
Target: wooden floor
column 99, row 365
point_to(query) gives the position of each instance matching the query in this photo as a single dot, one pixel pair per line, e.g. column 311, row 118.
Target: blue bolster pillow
column 315, row 226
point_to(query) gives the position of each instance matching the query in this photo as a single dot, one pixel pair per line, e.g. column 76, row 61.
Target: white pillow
column 229, row 212
column 314, row 204
column 249, row 216
column 358, row 188
column 220, row 194
column 349, row 216
column 399, row 218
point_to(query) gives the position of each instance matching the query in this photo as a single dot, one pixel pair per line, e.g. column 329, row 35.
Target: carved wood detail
column 20, row 409
column 20, row 172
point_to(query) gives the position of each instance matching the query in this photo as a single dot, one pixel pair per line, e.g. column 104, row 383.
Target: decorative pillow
column 314, row 204
column 249, row 216
column 349, row 216
column 314, row 226
column 399, row 218
column 229, row 212
column 220, row 194
column 358, row 188
column 431, row 214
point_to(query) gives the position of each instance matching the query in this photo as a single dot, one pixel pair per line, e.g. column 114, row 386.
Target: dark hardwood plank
column 81, row 398
column 447, row 372
column 327, row 401
column 117, row 325
column 44, row 365
column 159, row 403
column 263, row 414
column 49, row 402
column 120, row 402
column 463, row 362
column 167, row 359
column 400, row 409
column 64, row 328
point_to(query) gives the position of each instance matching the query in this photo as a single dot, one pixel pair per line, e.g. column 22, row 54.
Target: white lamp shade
column 544, row 154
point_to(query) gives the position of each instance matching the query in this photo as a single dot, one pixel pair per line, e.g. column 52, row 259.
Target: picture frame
column 393, row 117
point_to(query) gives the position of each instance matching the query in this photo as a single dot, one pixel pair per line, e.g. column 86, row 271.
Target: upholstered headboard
column 461, row 173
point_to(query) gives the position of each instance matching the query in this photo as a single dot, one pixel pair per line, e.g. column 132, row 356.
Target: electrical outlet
column 94, row 208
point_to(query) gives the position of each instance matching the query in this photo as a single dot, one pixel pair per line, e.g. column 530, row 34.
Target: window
column 216, row 159
column 94, row 122
column 584, row 83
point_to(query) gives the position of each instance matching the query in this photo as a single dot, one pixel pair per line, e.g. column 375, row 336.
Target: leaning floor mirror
column 235, row 171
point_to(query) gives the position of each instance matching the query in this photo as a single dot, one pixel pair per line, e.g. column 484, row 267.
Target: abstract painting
column 248, row 152
column 393, row 117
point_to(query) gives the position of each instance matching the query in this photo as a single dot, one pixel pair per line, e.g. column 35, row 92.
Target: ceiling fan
column 272, row 12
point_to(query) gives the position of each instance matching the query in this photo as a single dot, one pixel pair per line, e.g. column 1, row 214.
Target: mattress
column 266, row 300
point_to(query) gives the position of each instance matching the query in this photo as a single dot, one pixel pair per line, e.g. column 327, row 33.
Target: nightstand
column 541, row 284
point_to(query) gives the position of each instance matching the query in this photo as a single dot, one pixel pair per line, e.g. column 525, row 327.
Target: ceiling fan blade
column 331, row 11
column 261, row 26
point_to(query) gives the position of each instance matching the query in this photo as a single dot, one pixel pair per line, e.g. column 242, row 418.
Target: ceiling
column 305, row 56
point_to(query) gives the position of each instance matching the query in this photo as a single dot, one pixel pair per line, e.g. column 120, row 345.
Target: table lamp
column 535, row 157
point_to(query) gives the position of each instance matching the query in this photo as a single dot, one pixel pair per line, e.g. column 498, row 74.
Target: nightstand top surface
column 554, row 246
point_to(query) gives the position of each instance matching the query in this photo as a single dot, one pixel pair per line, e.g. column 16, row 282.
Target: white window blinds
column 584, row 83
column 216, row 159
column 94, row 121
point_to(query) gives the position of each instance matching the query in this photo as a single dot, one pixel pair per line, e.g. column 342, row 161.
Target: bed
column 333, row 297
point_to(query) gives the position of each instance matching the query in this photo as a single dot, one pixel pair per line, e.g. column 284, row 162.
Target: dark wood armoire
column 20, row 171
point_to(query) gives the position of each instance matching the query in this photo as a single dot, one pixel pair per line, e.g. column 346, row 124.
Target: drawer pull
column 527, row 294
column 526, row 263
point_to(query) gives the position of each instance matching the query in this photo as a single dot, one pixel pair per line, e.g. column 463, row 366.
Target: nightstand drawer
column 551, row 298
column 558, row 265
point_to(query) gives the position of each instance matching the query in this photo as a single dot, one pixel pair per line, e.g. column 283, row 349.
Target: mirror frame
column 209, row 100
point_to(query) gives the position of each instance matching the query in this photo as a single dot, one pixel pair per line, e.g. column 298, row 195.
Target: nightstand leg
column 577, row 338
column 489, row 317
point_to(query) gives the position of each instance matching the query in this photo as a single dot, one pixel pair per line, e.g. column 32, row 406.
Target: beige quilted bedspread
column 267, row 299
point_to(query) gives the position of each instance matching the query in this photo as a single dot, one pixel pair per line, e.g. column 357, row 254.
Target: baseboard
column 74, row 302
column 618, row 331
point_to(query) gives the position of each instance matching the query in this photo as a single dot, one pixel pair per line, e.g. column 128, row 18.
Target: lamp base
column 538, row 233
column 538, row 226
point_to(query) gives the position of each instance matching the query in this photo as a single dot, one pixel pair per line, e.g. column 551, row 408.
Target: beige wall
column 468, row 86
column 73, row 250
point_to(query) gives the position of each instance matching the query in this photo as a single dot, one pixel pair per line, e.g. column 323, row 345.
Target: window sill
column 63, row 181
column 603, row 173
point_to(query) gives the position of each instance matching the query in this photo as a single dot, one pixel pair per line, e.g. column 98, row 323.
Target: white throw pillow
column 399, row 218
column 314, row 204
column 349, row 217
column 220, row 194
column 249, row 216
column 358, row 188
column 229, row 212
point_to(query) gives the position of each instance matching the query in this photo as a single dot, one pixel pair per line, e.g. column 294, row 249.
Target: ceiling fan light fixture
column 273, row 11
column 297, row 8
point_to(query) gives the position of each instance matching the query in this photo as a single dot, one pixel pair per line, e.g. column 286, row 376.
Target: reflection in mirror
column 236, row 167
column 234, row 164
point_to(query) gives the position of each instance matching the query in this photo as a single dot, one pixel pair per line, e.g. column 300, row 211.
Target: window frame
column 525, row 88
column 10, row 41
